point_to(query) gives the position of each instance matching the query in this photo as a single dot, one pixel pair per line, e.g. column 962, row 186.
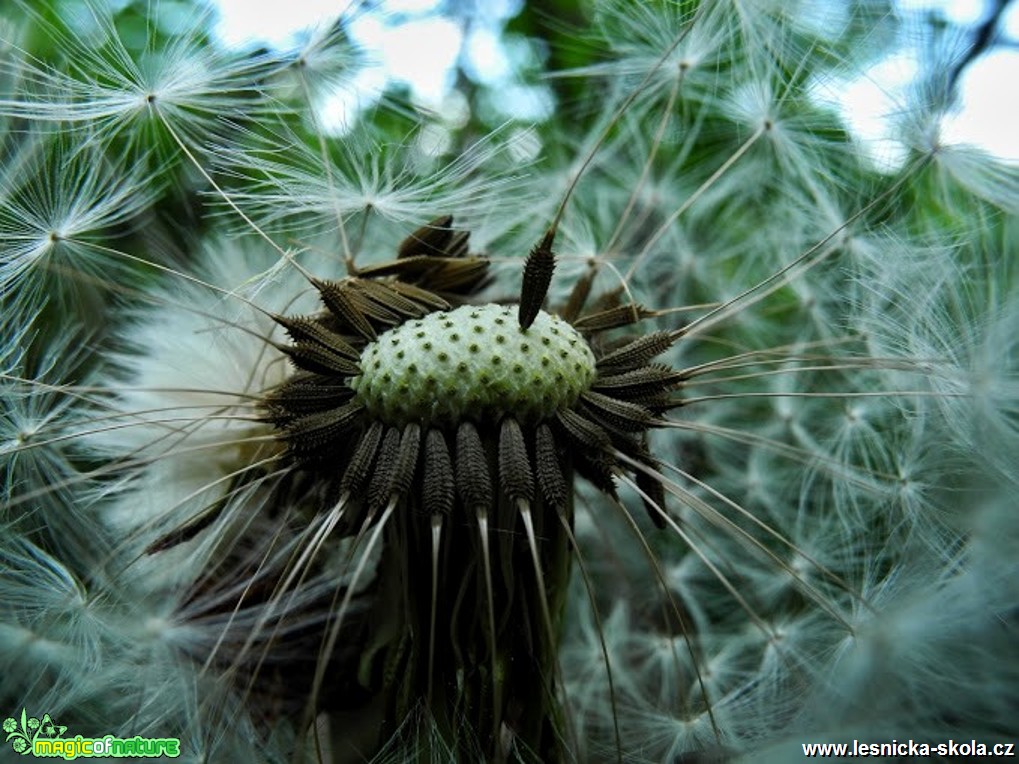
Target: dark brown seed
column 538, row 270
column 579, row 294
column 473, row 480
column 597, row 467
column 313, row 431
column 515, row 476
column 379, row 488
column 636, row 353
column 406, row 460
column 387, row 297
column 430, row 239
column 609, row 299
column 438, row 481
column 187, row 531
column 655, row 494
column 654, row 378
column 582, row 431
column 458, row 244
column 421, row 296
column 337, row 297
column 656, row 402
column 314, row 357
column 548, row 469
column 369, row 307
column 356, row 474
column 622, row 315
column 306, row 394
column 616, row 414
column 462, row 276
column 411, row 267
column 310, row 329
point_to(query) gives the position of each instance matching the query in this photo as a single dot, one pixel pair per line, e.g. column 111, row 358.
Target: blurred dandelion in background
column 603, row 381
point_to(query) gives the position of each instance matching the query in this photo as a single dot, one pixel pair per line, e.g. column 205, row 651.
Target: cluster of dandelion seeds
column 671, row 425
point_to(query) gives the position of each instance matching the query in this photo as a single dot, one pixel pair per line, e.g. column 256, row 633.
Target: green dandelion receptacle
column 474, row 362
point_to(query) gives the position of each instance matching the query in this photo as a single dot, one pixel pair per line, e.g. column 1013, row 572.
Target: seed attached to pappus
column 412, row 405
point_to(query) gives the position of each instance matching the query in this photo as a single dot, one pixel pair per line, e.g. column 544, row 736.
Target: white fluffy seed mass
column 474, row 362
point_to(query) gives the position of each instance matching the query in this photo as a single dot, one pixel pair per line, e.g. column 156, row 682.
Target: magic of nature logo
column 45, row 738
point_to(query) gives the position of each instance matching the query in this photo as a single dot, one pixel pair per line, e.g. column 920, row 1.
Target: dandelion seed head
column 823, row 430
column 62, row 201
column 113, row 90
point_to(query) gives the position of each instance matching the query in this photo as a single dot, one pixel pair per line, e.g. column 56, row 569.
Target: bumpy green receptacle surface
column 475, row 363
